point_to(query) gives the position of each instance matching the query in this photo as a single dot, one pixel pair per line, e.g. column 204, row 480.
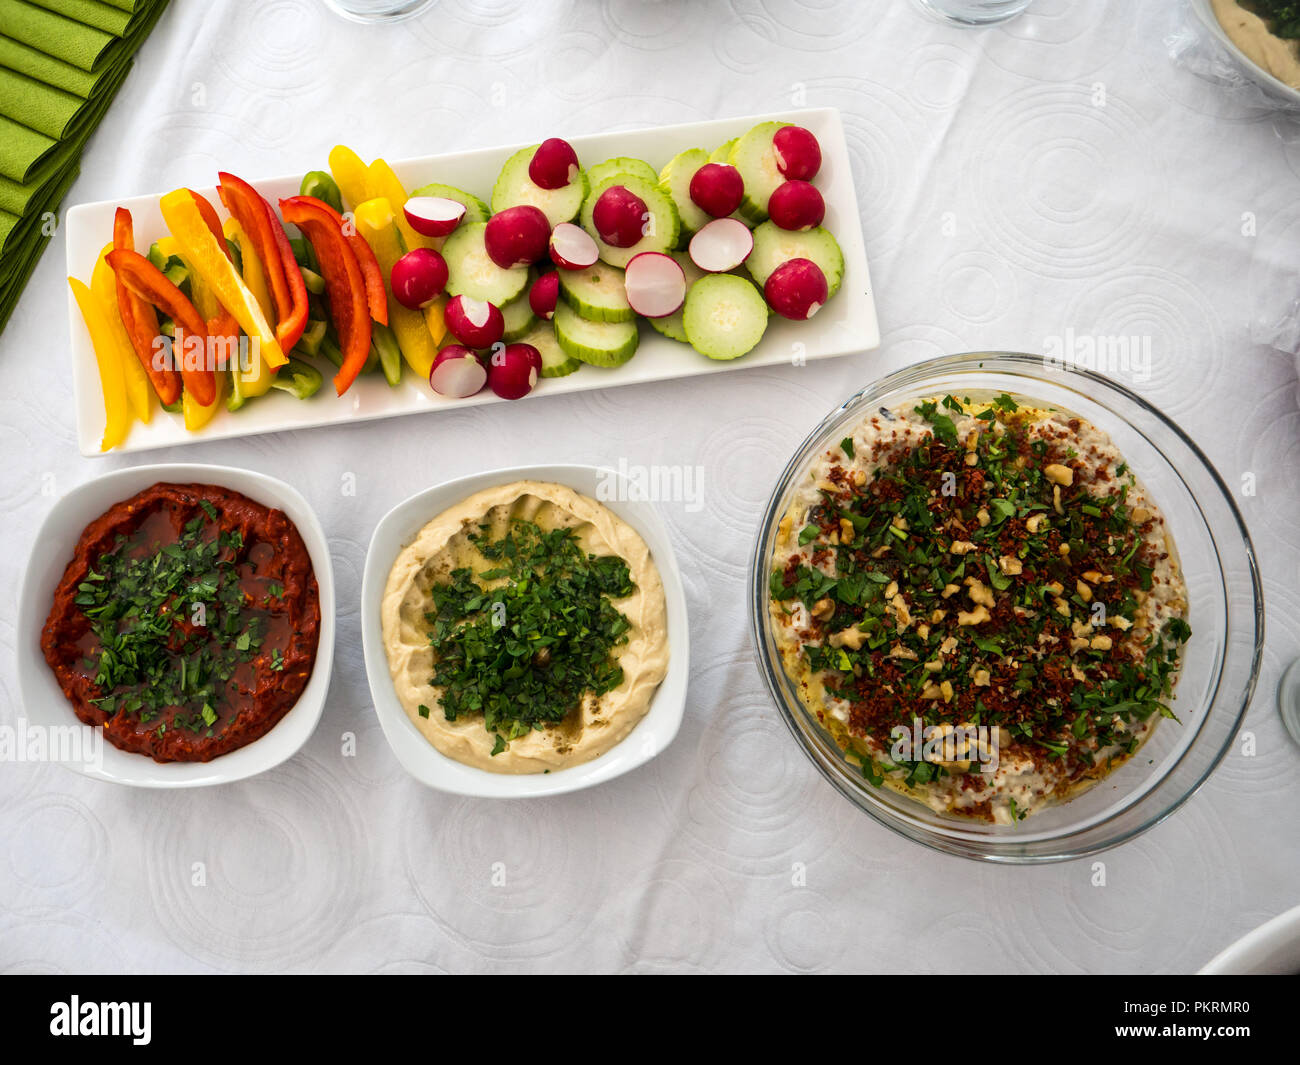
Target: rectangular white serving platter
column 846, row 324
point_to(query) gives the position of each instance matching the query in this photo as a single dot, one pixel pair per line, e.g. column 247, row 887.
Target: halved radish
column 477, row 323
column 619, row 216
column 554, row 165
column 457, row 373
column 572, row 247
column 517, row 236
column 655, row 283
column 798, row 155
column 721, row 245
column 418, row 278
column 543, row 294
column 433, row 216
column 796, row 289
column 796, row 205
column 717, row 188
column 513, row 369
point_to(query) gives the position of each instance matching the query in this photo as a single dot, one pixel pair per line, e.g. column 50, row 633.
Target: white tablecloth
column 1058, row 173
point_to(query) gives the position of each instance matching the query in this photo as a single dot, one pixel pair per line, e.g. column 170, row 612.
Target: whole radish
column 554, row 165
column 798, row 155
column 796, row 205
column 717, row 189
column 796, row 289
column 418, row 278
column 513, row 370
column 517, row 236
column 619, row 216
column 543, row 295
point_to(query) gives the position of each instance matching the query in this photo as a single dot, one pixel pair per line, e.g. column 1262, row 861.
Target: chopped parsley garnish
column 990, row 579
column 525, row 640
column 171, row 624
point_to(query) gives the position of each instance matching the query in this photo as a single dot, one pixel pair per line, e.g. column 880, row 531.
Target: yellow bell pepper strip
column 196, row 415
column 103, row 287
column 349, row 174
column 374, row 221
column 259, row 377
column 254, row 275
column 112, row 380
column 209, row 260
column 435, row 320
column 381, row 181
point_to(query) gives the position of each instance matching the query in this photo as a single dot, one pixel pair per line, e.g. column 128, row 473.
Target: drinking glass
column 974, row 12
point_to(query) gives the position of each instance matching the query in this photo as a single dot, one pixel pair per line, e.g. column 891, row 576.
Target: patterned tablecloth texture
column 1058, row 176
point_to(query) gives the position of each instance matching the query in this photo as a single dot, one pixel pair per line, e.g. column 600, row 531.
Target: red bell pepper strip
column 150, row 284
column 344, row 282
column 376, row 294
column 140, row 319
column 222, row 324
column 257, row 218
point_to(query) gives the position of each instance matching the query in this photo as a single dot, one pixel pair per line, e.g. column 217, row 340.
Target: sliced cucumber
column 597, row 343
column 475, row 209
column 755, row 158
column 672, row 326
column 597, row 293
column 724, row 316
column 664, row 225
column 722, row 152
column 471, row 271
column 518, row 315
column 621, row 164
column 774, row 246
column 675, row 179
column 515, row 187
column 556, row 362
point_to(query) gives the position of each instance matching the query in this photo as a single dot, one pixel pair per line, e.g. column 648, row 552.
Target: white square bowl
column 653, row 733
column 43, row 702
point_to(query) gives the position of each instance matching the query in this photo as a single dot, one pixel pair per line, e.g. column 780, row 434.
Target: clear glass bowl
column 1226, row 613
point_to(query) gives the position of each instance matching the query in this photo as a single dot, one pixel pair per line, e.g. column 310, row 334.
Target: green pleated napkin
column 104, row 17
column 61, row 64
column 74, row 42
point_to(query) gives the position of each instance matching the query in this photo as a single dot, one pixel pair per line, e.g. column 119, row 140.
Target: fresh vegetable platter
column 689, row 294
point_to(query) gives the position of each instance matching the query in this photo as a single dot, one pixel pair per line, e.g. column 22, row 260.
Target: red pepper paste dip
column 187, row 622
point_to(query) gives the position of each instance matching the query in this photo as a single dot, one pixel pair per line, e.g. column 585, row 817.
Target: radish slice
column 721, row 245
column 517, row 236
column 798, row 155
column 433, row 216
column 513, row 369
column 475, row 323
column 457, row 373
column 796, row 289
column 572, row 247
column 418, row 278
column 619, row 215
column 655, row 283
column 554, row 165
column 544, row 294
column 796, row 205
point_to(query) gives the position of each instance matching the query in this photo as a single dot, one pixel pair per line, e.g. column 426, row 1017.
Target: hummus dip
column 980, row 603
column 448, row 554
column 1251, row 33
